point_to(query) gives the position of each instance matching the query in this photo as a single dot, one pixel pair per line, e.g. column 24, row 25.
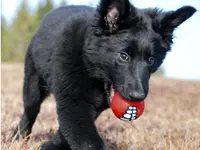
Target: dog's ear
column 111, row 13
column 172, row 19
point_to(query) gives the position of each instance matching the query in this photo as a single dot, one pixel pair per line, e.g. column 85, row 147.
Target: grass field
column 171, row 120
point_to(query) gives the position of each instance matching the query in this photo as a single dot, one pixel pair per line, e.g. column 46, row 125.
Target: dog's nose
column 137, row 96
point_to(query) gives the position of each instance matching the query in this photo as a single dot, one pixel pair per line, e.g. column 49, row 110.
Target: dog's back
column 57, row 26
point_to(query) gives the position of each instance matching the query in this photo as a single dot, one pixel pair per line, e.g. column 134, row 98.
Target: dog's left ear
column 111, row 13
column 174, row 18
column 170, row 20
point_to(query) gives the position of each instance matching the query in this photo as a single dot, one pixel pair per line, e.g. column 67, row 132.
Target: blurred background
column 21, row 18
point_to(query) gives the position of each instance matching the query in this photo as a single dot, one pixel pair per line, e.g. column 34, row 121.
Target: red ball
column 126, row 110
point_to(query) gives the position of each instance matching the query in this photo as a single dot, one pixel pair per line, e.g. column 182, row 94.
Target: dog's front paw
column 51, row 146
column 93, row 145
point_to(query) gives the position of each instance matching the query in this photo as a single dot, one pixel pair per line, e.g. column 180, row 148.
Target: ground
column 171, row 120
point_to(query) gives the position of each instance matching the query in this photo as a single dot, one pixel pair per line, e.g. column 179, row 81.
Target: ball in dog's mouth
column 124, row 109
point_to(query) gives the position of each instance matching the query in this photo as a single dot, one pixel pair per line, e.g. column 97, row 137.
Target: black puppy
column 79, row 54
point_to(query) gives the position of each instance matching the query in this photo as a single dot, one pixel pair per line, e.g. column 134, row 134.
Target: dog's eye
column 151, row 61
column 124, row 56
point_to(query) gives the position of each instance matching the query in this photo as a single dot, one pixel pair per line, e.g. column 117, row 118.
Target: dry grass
column 171, row 120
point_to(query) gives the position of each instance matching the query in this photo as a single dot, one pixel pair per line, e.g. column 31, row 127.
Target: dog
column 80, row 54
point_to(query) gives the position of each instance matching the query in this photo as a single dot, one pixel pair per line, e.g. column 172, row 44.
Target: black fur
column 78, row 53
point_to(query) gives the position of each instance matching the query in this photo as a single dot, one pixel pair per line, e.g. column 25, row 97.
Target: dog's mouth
column 110, row 90
column 112, row 93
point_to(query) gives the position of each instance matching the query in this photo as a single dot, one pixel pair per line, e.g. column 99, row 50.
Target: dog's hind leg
column 34, row 92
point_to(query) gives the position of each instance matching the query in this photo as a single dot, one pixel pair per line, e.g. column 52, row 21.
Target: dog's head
column 129, row 44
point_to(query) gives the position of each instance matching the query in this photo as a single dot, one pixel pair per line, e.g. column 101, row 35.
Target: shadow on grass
column 39, row 138
column 111, row 145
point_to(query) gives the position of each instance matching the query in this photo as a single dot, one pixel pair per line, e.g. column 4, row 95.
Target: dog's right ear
column 111, row 13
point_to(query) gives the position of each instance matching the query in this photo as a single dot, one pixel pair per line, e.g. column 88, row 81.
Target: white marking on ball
column 134, row 111
column 127, row 115
column 133, row 118
column 124, row 119
column 129, row 112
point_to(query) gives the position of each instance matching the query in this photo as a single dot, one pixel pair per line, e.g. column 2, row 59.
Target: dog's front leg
column 76, row 123
column 76, row 119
